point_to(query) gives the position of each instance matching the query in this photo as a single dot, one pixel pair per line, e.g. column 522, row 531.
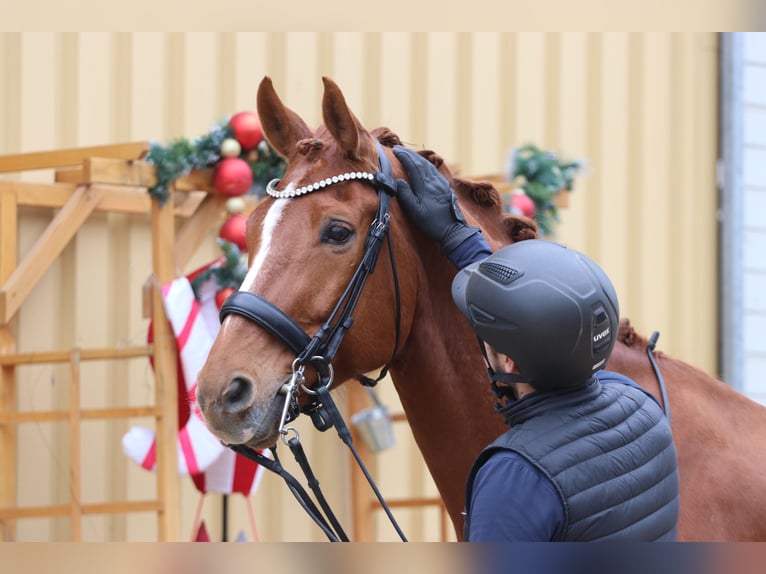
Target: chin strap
column 505, row 389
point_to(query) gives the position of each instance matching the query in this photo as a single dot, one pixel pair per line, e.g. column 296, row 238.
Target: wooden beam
column 47, row 248
column 119, row 172
column 362, row 498
column 185, row 204
column 62, row 510
column 94, row 354
column 188, row 240
column 75, row 454
column 197, row 227
column 55, row 195
column 165, row 375
column 73, row 156
column 135, row 173
column 8, row 451
column 85, row 414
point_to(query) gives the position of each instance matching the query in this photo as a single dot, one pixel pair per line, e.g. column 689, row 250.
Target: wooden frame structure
column 110, row 178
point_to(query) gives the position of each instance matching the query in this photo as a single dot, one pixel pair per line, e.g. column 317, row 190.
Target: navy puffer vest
column 608, row 449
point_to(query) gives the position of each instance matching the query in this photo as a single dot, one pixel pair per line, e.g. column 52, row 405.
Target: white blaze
column 270, row 222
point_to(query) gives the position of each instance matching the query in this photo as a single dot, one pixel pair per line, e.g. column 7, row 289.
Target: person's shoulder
column 605, row 376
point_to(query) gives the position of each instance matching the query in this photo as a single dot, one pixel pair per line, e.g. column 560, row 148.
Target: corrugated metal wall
column 641, row 108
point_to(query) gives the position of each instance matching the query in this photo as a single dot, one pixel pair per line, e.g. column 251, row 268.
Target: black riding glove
column 430, row 203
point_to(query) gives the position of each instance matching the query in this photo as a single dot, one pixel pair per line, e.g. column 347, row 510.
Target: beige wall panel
column 486, row 102
column 148, row 87
column 396, row 77
column 89, row 72
column 530, row 95
column 640, row 108
column 250, row 60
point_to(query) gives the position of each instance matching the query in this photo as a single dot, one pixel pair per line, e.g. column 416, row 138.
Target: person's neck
column 523, row 389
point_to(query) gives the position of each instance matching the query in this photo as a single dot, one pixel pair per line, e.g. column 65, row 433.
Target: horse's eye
column 337, row 234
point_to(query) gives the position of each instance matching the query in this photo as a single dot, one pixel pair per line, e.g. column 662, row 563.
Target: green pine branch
column 182, row 156
column 543, row 174
column 231, row 273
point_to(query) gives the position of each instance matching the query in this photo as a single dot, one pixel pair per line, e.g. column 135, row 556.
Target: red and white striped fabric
column 230, row 473
column 213, row 467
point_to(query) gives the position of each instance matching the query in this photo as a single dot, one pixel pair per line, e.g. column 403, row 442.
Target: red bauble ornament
column 233, row 176
column 222, row 295
column 524, row 203
column 247, row 129
column 234, row 231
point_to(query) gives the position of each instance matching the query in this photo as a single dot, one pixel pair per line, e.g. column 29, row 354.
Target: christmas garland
column 236, row 140
column 541, row 175
column 229, row 274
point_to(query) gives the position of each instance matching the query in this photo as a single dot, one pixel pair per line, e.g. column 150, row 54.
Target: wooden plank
column 166, row 385
column 135, row 173
column 418, row 501
column 197, row 228
column 185, row 204
column 74, row 175
column 55, row 195
column 75, row 455
column 47, row 248
column 85, row 414
column 73, row 156
column 189, row 238
column 122, row 199
column 62, row 510
column 197, row 180
column 8, row 451
column 362, row 498
column 119, row 172
column 94, row 354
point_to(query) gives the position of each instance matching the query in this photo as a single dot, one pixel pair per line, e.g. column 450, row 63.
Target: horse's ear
column 519, row 228
column 339, row 120
column 281, row 126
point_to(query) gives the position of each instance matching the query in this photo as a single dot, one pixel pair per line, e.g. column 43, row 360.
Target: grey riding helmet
column 550, row 308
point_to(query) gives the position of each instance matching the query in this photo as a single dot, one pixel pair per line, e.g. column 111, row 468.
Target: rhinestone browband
column 271, row 188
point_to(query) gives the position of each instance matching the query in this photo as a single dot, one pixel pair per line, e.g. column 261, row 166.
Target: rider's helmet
column 548, row 307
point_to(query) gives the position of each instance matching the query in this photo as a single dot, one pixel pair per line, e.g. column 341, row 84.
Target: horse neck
column 442, row 384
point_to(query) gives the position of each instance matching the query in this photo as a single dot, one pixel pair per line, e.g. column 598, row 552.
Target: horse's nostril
column 237, row 395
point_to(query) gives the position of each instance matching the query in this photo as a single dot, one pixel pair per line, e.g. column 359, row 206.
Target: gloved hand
column 430, row 203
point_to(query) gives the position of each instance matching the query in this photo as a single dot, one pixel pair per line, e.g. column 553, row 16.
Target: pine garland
column 182, row 156
column 266, row 164
column 231, row 273
column 543, row 174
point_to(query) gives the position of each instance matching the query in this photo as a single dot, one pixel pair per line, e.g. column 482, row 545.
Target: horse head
column 302, row 252
column 305, row 244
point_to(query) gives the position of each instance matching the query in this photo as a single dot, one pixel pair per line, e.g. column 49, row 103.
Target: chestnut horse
column 303, row 252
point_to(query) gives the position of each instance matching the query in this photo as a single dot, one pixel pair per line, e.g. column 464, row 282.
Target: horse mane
column 481, row 193
column 517, row 228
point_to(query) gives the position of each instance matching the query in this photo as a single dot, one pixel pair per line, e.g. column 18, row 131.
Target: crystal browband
column 271, row 188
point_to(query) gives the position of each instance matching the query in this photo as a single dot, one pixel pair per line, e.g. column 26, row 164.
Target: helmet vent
column 499, row 273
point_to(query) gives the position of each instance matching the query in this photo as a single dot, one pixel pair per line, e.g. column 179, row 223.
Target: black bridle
column 319, row 351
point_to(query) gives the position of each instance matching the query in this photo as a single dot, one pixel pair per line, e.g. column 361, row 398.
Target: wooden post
column 362, row 498
column 8, row 467
column 75, row 458
column 166, row 385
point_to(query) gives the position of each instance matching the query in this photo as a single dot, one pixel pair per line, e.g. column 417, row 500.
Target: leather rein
column 319, row 351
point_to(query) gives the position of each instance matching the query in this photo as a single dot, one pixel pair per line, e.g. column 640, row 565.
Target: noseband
column 320, row 349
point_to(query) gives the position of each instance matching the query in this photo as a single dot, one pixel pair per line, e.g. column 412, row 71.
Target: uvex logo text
column 598, row 336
